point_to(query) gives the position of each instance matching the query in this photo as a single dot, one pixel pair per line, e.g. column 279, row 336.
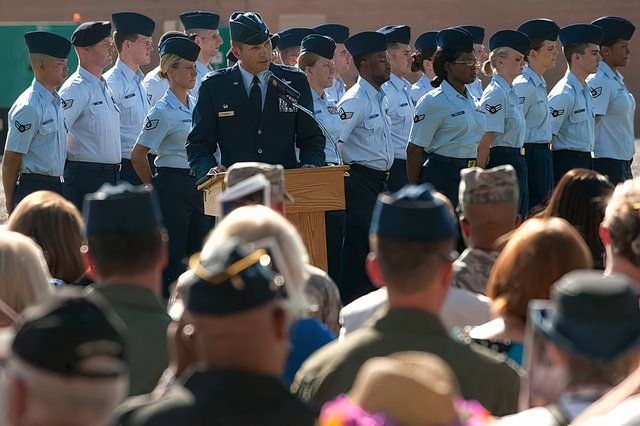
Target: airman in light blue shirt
column 448, row 123
column 532, row 93
column 503, row 111
column 401, row 112
column 420, row 88
column 338, row 89
column 426, row 47
column 475, row 89
column 155, row 86
column 166, row 129
column 366, row 132
column 326, row 111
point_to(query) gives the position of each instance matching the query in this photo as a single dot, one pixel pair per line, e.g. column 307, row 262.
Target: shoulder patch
column 417, row 118
column 149, row 97
column 151, row 124
column 596, row 91
column 22, row 127
column 344, row 115
column 556, row 112
column 492, row 109
column 67, row 103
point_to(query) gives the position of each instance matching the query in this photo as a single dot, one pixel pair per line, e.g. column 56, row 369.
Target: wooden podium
column 314, row 191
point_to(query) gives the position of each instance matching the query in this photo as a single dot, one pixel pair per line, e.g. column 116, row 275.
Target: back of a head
column 412, row 233
column 580, row 198
column 538, row 253
column 124, row 229
column 57, row 227
column 24, row 276
column 622, row 219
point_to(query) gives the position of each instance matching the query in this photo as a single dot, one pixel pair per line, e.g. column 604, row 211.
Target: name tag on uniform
column 455, row 114
column 317, row 112
column 226, row 113
column 188, row 120
column 48, row 121
column 373, row 116
column 97, row 103
column 404, row 104
column 131, row 95
column 580, row 110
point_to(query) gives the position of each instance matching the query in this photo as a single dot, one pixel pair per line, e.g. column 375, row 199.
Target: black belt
column 537, row 146
column 376, row 174
column 509, row 149
column 99, row 167
column 187, row 172
column 38, row 176
column 573, row 151
column 458, row 162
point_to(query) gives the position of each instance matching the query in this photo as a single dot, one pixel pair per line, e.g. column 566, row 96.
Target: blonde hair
column 307, row 59
column 167, row 61
column 56, row 225
column 24, row 276
column 489, row 66
column 622, row 219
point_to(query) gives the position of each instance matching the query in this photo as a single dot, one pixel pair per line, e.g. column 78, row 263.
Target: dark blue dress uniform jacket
column 223, row 116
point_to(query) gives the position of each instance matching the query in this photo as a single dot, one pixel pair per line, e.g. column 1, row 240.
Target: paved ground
column 3, row 211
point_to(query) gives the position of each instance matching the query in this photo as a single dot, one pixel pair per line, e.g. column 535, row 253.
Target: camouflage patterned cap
column 479, row 186
column 273, row 172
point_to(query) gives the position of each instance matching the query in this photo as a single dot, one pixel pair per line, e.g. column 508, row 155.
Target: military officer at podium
column 239, row 109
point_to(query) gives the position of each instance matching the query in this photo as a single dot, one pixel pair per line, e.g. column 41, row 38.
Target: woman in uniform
column 425, row 46
column 447, row 125
column 613, row 104
column 505, row 123
column 165, row 131
column 531, row 89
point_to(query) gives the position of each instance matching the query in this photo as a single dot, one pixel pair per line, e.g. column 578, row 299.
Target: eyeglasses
column 145, row 43
column 469, row 63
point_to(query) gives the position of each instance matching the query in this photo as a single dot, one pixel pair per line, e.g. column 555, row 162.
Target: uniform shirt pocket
column 579, row 115
column 128, row 110
column 537, row 114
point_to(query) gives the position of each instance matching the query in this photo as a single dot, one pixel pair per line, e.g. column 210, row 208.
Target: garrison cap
column 338, row 32
column 133, row 23
column 181, row 46
column 248, row 28
column 397, row 33
column 476, row 32
column 47, row 43
column 426, row 41
column 292, row 37
column 510, row 38
column 318, row 44
column 581, row 33
column 457, row 39
column 197, row 19
column 366, row 42
column 614, row 29
column 540, row 29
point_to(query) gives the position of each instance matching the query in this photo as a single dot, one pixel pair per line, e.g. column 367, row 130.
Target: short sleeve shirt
column 401, row 112
column 326, row 111
column 532, row 95
column 503, row 111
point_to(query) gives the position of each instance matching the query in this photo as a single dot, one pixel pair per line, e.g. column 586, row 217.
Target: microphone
column 283, row 87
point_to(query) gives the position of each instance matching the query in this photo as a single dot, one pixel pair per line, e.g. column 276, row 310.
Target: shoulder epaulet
column 217, row 73
column 290, row 69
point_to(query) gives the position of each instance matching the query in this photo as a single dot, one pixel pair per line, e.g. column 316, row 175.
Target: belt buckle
column 192, row 173
column 386, row 176
column 119, row 168
column 61, row 179
column 522, row 151
column 472, row 163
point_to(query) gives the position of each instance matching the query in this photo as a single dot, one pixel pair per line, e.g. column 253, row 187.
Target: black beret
column 292, row 37
column 200, row 20
column 318, row 44
column 339, row 33
column 366, row 42
column 581, row 33
column 90, row 33
column 510, row 38
column 397, row 33
column 540, row 29
column 47, row 43
column 248, row 28
column 133, row 23
column 181, row 46
column 476, row 32
column 615, row 28
column 457, row 39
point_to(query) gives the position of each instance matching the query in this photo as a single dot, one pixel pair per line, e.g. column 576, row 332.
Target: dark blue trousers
column 183, row 214
column 444, row 174
column 82, row 178
column 128, row 173
column 540, row 171
column 28, row 183
column 616, row 170
column 566, row 159
column 502, row 155
column 334, row 226
column 397, row 175
column 362, row 187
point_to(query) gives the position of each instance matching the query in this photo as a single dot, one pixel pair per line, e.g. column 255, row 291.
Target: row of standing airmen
column 388, row 131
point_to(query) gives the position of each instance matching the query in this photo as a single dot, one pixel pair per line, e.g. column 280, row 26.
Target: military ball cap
column 122, row 210
column 182, row 47
column 47, row 43
column 614, row 29
column 292, row 37
column 338, row 32
column 397, row 33
column 73, row 336
column 456, row 39
column 235, row 279
column 426, row 41
column 197, row 19
column 133, row 23
column 90, row 33
column 476, row 32
column 581, row 33
column 413, row 213
column 540, row 29
column 318, row 44
column 248, row 28
column 366, row 42
column 516, row 40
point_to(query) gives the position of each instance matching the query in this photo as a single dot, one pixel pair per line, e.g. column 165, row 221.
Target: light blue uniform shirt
column 202, row 71
column 572, row 119
column 247, row 79
column 155, row 86
column 420, row 88
column 447, row 123
column 614, row 107
column 326, row 111
column 503, row 113
column 37, row 131
column 337, row 90
column 131, row 99
column 532, row 92
column 475, row 89
column 366, row 128
column 92, row 118
column 166, row 129
column 401, row 112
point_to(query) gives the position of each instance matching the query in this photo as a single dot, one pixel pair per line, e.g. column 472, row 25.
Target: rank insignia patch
column 67, row 103
column 492, row 109
column 22, row 127
column 151, row 124
column 596, row 91
column 556, row 112
column 344, row 115
column 418, row 118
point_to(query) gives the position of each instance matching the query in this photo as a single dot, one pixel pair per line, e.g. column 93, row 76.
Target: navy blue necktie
column 255, row 95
